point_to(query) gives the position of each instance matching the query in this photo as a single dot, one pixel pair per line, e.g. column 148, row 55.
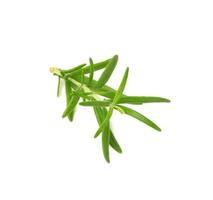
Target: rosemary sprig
column 80, row 84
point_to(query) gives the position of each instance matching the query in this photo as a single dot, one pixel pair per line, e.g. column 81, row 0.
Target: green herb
column 80, row 85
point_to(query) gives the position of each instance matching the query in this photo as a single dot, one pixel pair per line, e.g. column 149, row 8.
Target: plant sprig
column 81, row 85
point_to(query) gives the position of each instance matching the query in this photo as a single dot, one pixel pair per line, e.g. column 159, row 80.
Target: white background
column 168, row 46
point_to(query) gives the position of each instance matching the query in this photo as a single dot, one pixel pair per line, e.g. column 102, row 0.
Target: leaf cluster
column 82, row 89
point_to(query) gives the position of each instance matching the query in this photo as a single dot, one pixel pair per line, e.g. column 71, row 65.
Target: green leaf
column 105, row 92
column 105, row 141
column 114, row 144
column 119, row 109
column 142, row 99
column 100, row 114
column 135, row 100
column 73, row 69
column 59, row 87
column 71, row 105
column 107, row 72
column 91, row 71
column 108, row 94
column 82, row 77
column 68, row 89
column 104, row 122
column 95, row 103
column 97, row 66
column 139, row 116
column 121, row 87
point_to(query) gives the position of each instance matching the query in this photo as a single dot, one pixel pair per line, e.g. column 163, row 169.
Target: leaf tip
column 107, row 159
column 120, row 151
column 115, row 56
column 90, row 60
column 64, row 115
column 81, row 103
column 158, row 129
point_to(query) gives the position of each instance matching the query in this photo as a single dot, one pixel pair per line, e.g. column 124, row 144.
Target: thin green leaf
column 107, row 72
column 105, row 142
column 105, row 121
column 105, row 92
column 91, row 71
column 59, row 87
column 121, row 87
column 119, row 109
column 97, row 66
column 114, row 144
column 95, row 103
column 68, row 89
column 100, row 114
column 73, row 69
column 108, row 94
column 142, row 99
column 82, row 77
column 71, row 106
column 139, row 116
column 71, row 115
column 135, row 100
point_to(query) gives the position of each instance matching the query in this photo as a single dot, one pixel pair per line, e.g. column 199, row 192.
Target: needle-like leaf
column 95, row 103
column 105, row 121
column 71, row 105
column 121, row 87
column 97, row 66
column 68, row 89
column 139, row 116
column 59, row 87
column 82, row 77
column 135, row 100
column 108, row 94
column 73, row 69
column 107, row 72
column 142, row 99
column 105, row 141
column 91, row 71
column 100, row 114
column 114, row 144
